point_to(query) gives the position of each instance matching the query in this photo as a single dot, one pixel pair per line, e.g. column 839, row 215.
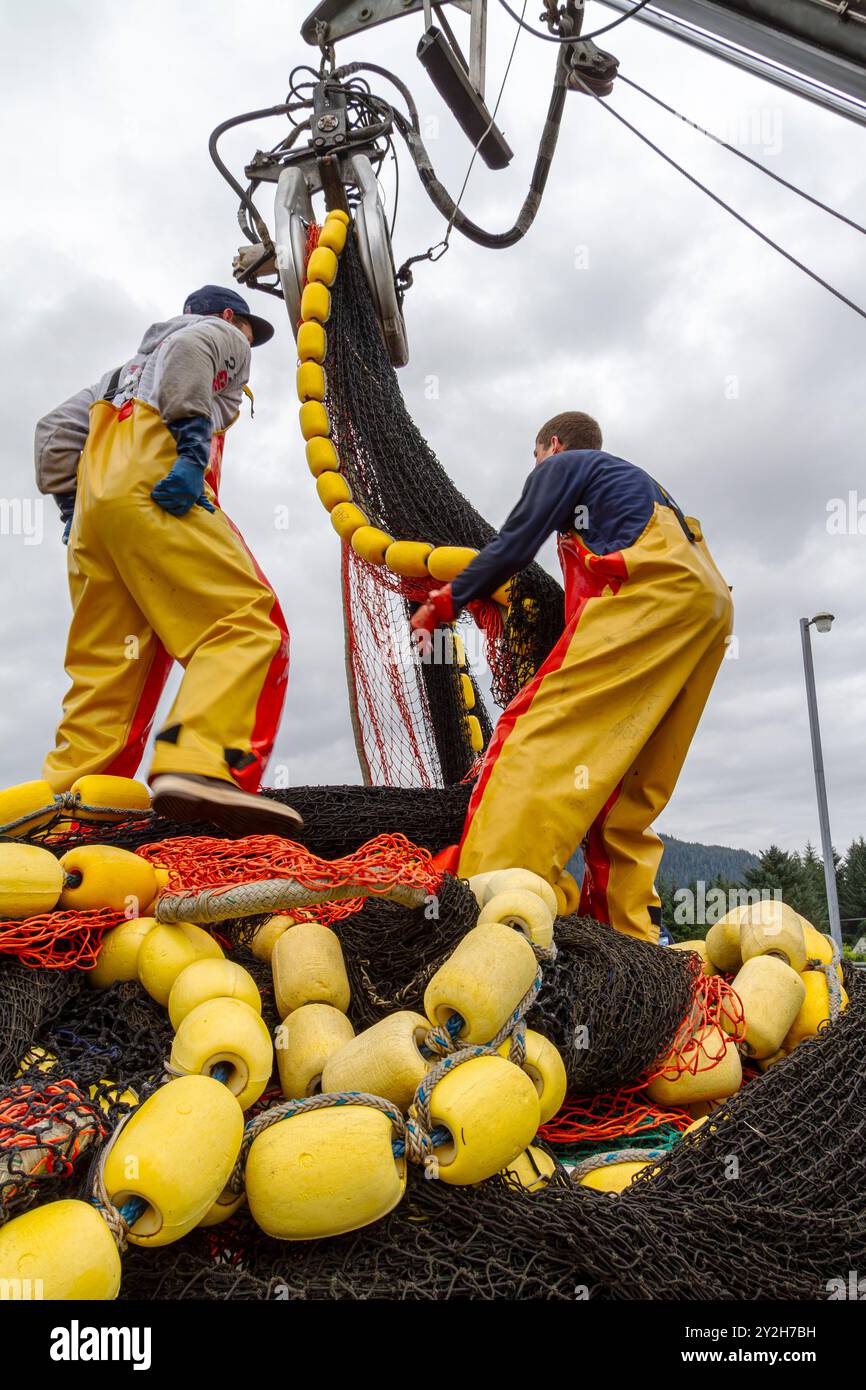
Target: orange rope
column 58, row 940
column 591, row 1119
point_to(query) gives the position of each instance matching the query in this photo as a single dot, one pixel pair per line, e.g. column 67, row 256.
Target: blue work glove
column 66, row 503
column 183, row 488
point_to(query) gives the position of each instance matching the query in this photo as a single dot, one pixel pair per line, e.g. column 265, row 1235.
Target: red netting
column 58, row 940
column 598, row 1119
column 715, row 1005
column 43, row 1130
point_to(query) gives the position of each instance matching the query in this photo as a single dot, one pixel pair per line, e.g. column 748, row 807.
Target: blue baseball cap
column 212, row 299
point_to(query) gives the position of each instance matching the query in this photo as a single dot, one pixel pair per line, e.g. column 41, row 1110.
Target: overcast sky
column 708, row 360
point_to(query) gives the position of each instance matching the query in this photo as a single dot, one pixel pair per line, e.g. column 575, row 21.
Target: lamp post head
column 823, row 621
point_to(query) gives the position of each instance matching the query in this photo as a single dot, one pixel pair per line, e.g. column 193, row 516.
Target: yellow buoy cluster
column 525, row 900
column 407, row 558
column 33, row 881
column 31, row 805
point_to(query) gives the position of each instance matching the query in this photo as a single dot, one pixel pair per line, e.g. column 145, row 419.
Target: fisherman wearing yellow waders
column 158, row 573
column 591, row 748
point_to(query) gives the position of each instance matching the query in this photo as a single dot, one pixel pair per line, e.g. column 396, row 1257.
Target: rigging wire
column 741, row 154
column 788, row 256
column 574, row 38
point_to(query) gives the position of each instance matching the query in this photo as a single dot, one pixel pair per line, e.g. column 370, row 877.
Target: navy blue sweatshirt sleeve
column 547, row 504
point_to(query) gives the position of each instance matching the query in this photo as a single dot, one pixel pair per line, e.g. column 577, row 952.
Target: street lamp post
column 823, row 622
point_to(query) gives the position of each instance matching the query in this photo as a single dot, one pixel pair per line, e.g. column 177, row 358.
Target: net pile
column 409, row 713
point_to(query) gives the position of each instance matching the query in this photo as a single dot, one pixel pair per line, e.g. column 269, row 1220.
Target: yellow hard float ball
column 99, row 791
column 371, row 544
column 491, row 1111
column 467, row 692
column 308, row 968
column 118, row 954
column 696, row 1125
column 61, row 1252
column 818, row 946
column 312, row 342
column 340, row 215
column 771, row 994
column 700, row 948
column 105, row 1099
column 169, row 949
column 36, row 1057
column 31, row 881
column 773, row 929
column 346, row 518
column 305, row 1041
column 502, row 595
column 478, row 884
column 503, row 880
column 524, row 911
column 314, row 419
column 408, row 558
column 384, row 1060
column 181, row 1146
column 332, row 489
column 224, row 1207
column 228, row 1033
column 333, row 235
column 26, row 799
column 211, row 979
column 311, row 382
column 447, row 561
column 814, row 1012
column 321, row 456
column 532, row 1169
column 321, row 267
column 268, row 934
column 459, row 649
column 613, row 1177
column 561, row 903
column 545, row 1069
column 324, row 1173
column 766, row 1063
column 483, row 980
column 715, row 1080
column 723, row 942
column 110, row 877
column 570, row 888
column 162, row 884
column 316, row 303
column 474, row 732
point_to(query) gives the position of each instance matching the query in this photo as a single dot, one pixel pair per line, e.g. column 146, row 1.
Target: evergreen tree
column 810, row 899
column 852, row 890
column 777, row 870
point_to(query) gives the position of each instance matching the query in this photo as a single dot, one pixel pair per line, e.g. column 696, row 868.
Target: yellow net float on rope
column 321, row 267
column 570, row 889
column 490, row 1109
column 523, row 910
column 408, row 559
column 62, row 1251
column 340, row 215
column 311, row 382
column 771, row 994
column 502, row 595
column 314, row 420
column 613, row 1177
column 324, row 1173
column 315, row 303
column 333, row 235
column 162, row 883
column 478, row 885
column 211, row 979
column 384, row 1060
column 346, row 518
column 332, row 489
column 818, row 946
column 223, row 1208
column 26, row 799
column 445, row 562
column 118, row 954
column 312, row 342
column 371, row 544
column 175, row 1153
column 321, row 456
column 167, row 950
column 124, row 793
column 773, row 928
column 723, row 942
column 459, row 649
column 713, row 1079
column 467, row 692
column 504, row 880
column 228, row 1033
column 814, row 1012
column 474, row 733
column 109, row 877
column 308, row 968
column 305, row 1041
column 483, row 980
column 268, row 934
column 546, row 1070
column 532, row 1169
column 31, row 881
column 36, row 1057
column 700, row 948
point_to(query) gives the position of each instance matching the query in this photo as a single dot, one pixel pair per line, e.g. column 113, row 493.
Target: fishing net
column 409, row 712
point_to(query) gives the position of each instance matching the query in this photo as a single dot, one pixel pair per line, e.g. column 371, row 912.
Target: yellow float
column 814, row 1012
column 483, row 980
column 522, row 910
column 613, row 1177
column 491, row 1111
column 305, row 1041
column 31, row 881
column 167, row 950
column 118, row 953
column 226, row 1033
column 62, row 1251
column 308, row 968
column 773, row 928
column 211, row 978
column 532, row 1169
column 708, row 967
column 26, row 799
column 268, row 934
column 107, row 877
column 384, row 1060
column 714, row 1081
column 771, row 994
column 124, row 794
column 546, row 1070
